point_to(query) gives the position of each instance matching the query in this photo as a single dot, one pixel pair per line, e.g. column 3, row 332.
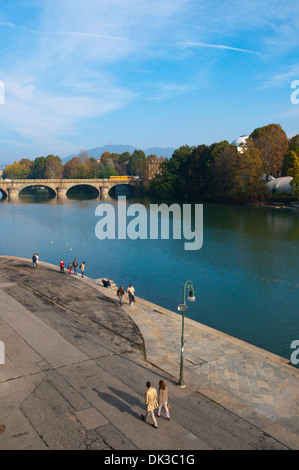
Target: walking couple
column 131, row 292
column 152, row 404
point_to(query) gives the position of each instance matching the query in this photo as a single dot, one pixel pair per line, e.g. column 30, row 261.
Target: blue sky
column 83, row 73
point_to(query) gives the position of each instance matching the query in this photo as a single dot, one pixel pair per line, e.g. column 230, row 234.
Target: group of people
column 152, row 404
column 74, row 265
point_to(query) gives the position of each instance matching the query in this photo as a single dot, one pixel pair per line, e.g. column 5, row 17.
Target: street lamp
column 182, row 308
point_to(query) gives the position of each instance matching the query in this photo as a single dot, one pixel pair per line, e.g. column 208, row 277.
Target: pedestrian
column 62, row 266
column 36, row 255
column 70, row 268
column 82, row 267
column 120, row 293
column 131, row 292
column 151, row 403
column 75, row 265
column 163, row 399
column 34, row 260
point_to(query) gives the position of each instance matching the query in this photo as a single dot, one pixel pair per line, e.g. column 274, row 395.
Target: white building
column 240, row 142
column 280, row 185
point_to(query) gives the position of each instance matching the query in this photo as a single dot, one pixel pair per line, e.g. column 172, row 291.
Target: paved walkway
column 259, row 386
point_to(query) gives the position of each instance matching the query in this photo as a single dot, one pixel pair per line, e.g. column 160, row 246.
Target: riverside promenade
column 76, row 365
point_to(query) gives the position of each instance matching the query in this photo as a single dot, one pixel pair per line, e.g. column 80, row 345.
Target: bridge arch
column 121, row 189
column 4, row 194
column 51, row 190
column 76, row 187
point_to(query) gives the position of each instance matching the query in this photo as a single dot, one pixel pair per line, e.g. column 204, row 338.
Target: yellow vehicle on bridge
column 122, row 178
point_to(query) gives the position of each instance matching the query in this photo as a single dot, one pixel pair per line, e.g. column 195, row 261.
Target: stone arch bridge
column 12, row 188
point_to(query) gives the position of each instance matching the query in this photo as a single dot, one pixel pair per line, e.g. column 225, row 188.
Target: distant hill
column 118, row 148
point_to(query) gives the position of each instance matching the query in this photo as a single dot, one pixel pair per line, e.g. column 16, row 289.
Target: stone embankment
column 76, row 365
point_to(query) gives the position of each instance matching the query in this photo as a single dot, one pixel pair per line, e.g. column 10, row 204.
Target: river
column 245, row 276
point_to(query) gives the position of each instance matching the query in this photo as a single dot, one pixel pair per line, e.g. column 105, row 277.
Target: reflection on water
column 245, row 276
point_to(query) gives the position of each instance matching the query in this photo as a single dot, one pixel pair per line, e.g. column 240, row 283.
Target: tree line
column 81, row 167
column 222, row 171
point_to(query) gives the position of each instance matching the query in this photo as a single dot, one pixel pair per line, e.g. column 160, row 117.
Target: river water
column 245, row 276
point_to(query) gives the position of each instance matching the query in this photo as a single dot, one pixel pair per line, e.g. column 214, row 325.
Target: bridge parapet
column 12, row 188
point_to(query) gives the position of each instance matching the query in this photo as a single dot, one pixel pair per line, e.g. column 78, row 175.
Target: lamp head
column 182, row 307
column 191, row 297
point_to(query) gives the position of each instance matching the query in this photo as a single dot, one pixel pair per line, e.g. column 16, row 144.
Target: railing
column 66, row 180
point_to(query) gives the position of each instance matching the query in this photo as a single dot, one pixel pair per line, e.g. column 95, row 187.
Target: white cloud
column 44, row 117
column 67, row 80
column 218, row 46
column 281, row 79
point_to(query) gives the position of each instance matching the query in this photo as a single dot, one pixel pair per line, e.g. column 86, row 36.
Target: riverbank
column 75, row 372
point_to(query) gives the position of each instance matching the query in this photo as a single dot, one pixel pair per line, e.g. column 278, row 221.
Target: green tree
column 288, row 162
column 124, row 163
column 294, row 172
column 223, row 170
column 294, row 144
column 198, row 171
column 162, row 186
column 173, row 182
column 137, row 163
column 39, row 168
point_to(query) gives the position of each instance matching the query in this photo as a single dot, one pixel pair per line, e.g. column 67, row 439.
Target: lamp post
column 182, row 308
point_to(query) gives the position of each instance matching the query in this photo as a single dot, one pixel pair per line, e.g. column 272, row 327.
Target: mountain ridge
column 121, row 148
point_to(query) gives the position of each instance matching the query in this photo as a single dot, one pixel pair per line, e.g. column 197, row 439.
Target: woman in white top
column 131, row 292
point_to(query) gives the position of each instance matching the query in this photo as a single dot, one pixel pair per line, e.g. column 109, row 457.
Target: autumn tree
column 273, row 143
column 105, row 156
column 247, row 182
column 83, row 156
column 75, row 169
column 53, row 167
column 19, row 170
